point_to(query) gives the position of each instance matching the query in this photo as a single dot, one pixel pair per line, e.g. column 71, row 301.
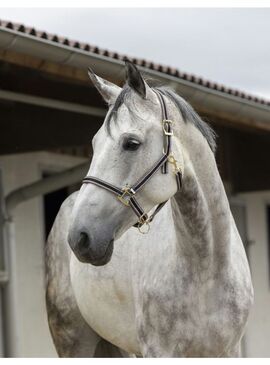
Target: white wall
column 18, row 170
column 258, row 330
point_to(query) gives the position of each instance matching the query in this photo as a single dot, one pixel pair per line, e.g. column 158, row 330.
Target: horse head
column 128, row 144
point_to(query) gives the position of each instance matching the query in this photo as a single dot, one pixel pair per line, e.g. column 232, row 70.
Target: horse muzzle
column 90, row 251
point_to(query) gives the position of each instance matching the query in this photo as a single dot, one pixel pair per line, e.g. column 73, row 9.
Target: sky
column 230, row 46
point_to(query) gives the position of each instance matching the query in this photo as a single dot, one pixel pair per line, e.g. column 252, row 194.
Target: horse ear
column 134, row 79
column 107, row 89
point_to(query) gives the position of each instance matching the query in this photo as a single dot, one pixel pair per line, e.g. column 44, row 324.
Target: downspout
column 44, row 186
column 3, row 271
column 10, row 299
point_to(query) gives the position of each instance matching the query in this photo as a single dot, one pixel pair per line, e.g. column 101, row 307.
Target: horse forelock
column 111, row 116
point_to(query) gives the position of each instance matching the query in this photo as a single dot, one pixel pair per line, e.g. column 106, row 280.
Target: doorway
column 52, row 203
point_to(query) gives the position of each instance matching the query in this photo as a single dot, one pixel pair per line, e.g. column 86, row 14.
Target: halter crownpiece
column 126, row 195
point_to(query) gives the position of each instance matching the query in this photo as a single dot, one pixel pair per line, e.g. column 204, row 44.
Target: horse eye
column 131, row 144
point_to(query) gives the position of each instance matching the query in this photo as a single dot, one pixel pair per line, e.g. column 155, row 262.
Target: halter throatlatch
column 126, row 195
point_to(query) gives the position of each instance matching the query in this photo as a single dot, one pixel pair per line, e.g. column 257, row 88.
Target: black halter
column 126, row 195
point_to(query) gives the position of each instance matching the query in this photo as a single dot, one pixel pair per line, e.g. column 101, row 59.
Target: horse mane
column 188, row 114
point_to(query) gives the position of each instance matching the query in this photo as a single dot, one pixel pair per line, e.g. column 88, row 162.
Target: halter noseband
column 126, row 195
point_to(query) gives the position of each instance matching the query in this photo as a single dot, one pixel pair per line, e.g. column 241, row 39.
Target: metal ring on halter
column 143, row 221
column 147, row 225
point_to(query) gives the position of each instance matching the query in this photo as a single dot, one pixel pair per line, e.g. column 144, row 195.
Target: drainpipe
column 8, row 282
column 44, row 186
column 10, row 299
column 3, row 272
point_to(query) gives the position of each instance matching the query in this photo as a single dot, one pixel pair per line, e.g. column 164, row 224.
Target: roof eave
column 238, row 111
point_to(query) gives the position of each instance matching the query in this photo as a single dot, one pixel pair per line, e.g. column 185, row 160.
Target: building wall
column 258, row 329
column 33, row 335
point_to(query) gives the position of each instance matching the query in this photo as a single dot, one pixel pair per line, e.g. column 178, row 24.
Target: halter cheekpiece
column 126, row 195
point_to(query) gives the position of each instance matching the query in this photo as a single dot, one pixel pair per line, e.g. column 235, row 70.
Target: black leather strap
column 166, row 127
column 102, row 184
column 143, row 180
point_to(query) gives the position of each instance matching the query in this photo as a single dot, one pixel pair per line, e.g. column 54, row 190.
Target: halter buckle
column 165, row 123
column 126, row 193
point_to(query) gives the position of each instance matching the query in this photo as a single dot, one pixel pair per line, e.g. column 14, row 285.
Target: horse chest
column 104, row 297
column 183, row 319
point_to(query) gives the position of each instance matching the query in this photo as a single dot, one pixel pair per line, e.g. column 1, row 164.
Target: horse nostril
column 83, row 243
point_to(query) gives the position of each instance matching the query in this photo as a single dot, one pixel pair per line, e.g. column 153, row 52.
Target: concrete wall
column 258, row 330
column 18, row 170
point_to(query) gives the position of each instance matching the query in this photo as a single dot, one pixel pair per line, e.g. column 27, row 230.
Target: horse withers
column 181, row 290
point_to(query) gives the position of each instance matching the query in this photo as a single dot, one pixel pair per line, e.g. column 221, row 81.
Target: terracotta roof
column 140, row 62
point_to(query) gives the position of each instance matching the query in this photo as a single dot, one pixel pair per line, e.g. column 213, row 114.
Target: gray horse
column 182, row 290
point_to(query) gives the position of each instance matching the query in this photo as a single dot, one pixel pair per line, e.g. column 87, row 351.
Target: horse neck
column 201, row 209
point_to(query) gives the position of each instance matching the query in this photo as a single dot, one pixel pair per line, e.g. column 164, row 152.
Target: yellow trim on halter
column 174, row 162
column 126, row 191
